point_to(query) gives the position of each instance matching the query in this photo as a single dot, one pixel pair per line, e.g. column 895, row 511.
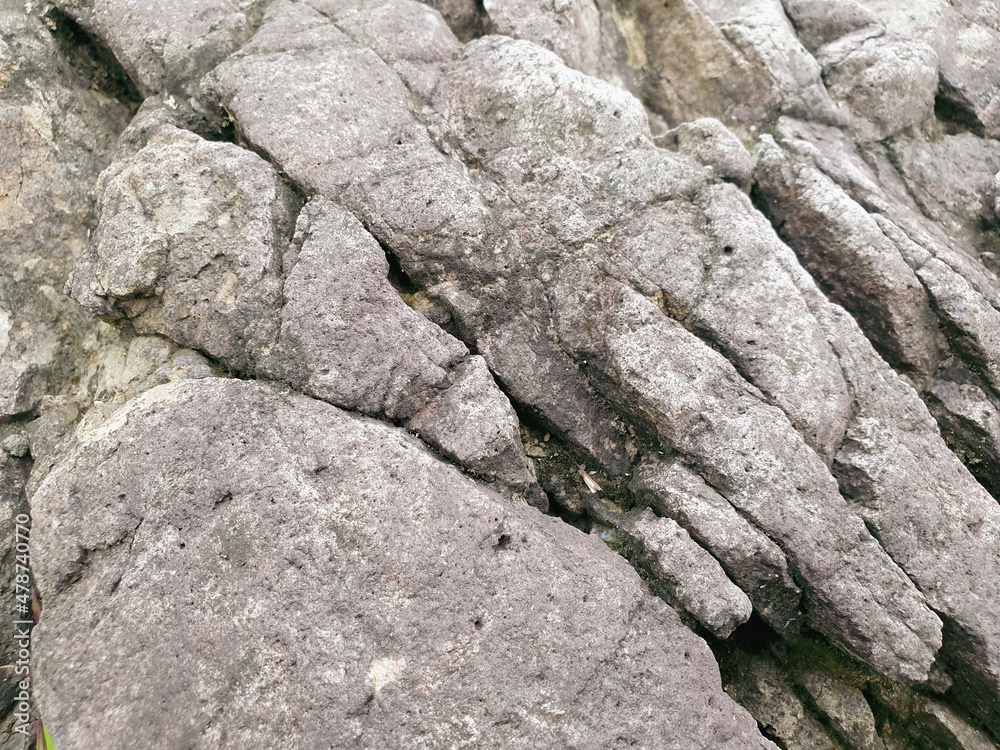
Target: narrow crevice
column 92, row 59
column 956, row 114
column 467, row 20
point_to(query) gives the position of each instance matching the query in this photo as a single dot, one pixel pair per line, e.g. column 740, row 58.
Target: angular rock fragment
column 345, row 335
column 586, row 35
column 765, row 36
column 688, row 574
column 845, row 250
column 167, row 47
column 967, row 42
column 348, row 338
column 708, row 141
column 755, row 563
column 818, row 22
column 189, row 245
column 313, row 576
column 887, row 82
column 845, row 708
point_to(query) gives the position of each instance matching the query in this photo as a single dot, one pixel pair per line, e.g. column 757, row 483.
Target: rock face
column 388, row 324
column 360, row 577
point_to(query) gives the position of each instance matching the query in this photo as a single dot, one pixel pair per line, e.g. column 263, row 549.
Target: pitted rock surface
column 364, row 280
column 309, row 574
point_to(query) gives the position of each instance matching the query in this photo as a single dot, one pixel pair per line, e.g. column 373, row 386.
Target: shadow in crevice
column 92, row 59
column 467, row 19
column 955, row 112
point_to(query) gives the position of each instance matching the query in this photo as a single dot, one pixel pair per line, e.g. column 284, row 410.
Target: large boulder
column 286, row 573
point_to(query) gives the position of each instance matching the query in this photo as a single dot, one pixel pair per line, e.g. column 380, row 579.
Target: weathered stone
column 519, row 97
column 887, row 82
column 167, row 47
column 16, row 445
column 255, row 504
column 585, row 35
column 189, row 245
column 58, row 135
column 708, row 141
column 755, row 563
column 762, row 32
column 346, row 336
column 950, row 178
column 818, row 22
column 845, row 250
column 687, row 68
column 769, row 694
column 845, row 708
column 967, row 42
column 473, row 423
column 406, row 34
column 705, row 411
column 688, row 574
column 480, row 213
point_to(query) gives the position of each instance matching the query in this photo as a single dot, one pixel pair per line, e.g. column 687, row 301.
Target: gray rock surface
column 708, row 141
column 307, row 575
column 683, row 572
column 571, row 246
column 167, row 47
column 748, row 555
column 967, row 42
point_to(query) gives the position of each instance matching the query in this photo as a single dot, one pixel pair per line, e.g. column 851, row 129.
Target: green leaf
column 49, row 744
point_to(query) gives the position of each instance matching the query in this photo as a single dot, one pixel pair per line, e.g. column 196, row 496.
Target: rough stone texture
column 684, row 572
column 686, row 66
column 510, row 141
column 887, row 82
column 307, row 576
column 845, row 708
column 167, row 47
column 956, row 199
column 189, row 245
column 750, row 558
column 456, row 219
column 708, row 141
column 818, row 22
column 771, row 697
column 584, row 34
column 885, row 465
column 57, row 136
column 967, row 41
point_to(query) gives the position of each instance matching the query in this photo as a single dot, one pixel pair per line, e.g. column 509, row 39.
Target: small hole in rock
column 728, row 249
column 503, row 542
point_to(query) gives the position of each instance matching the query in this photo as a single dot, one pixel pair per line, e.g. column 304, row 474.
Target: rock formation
column 504, row 374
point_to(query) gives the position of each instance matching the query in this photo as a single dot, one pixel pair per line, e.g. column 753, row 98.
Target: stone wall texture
column 591, row 374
